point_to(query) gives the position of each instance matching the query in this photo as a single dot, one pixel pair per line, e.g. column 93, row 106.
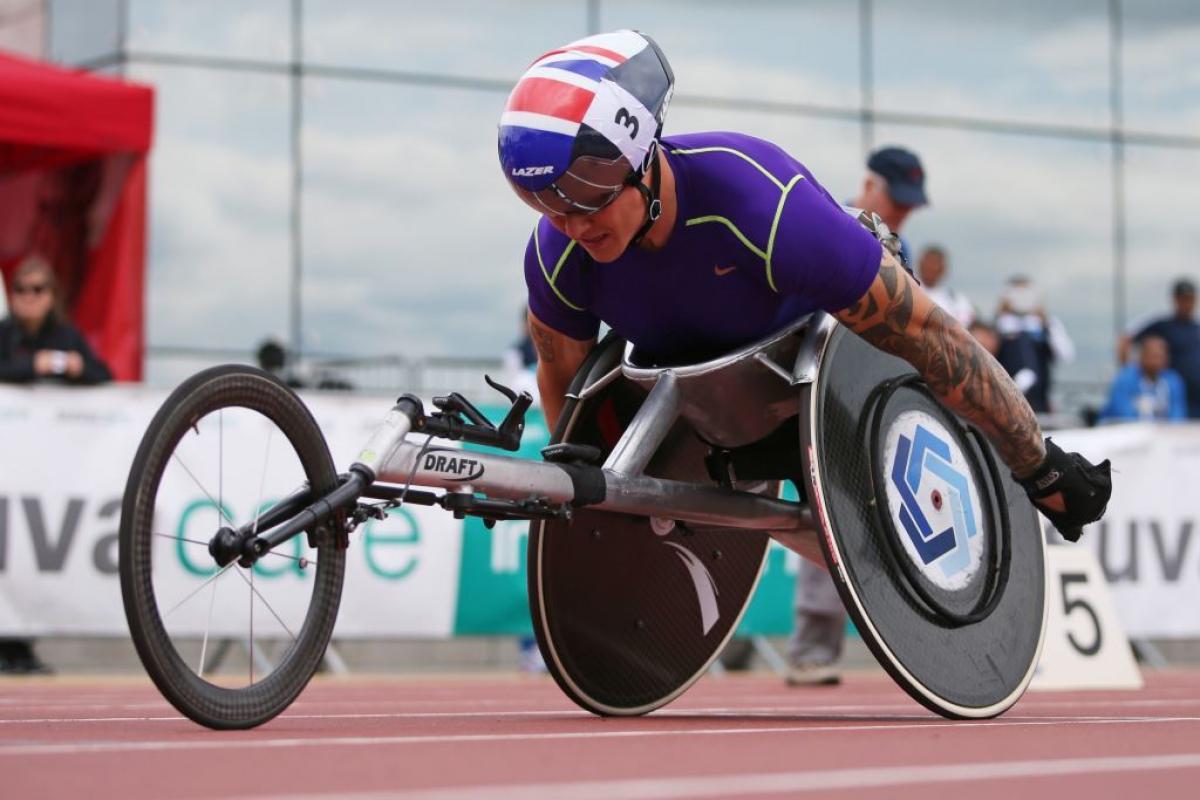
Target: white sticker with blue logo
column 933, row 500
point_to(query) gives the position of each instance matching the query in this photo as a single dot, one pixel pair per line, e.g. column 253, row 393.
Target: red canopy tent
column 73, row 152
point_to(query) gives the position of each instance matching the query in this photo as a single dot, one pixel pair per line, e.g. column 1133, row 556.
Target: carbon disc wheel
column 628, row 612
column 937, row 554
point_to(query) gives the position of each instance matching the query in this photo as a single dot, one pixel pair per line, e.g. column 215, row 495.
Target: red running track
column 521, row 738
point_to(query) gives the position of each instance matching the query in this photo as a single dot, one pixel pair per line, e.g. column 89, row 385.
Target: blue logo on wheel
column 921, row 460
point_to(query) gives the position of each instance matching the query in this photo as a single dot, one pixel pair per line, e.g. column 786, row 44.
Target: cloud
column 422, row 229
column 218, row 246
column 478, row 38
column 413, row 243
column 217, row 27
column 1073, row 57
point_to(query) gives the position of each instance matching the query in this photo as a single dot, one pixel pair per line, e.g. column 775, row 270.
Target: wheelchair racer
column 692, row 245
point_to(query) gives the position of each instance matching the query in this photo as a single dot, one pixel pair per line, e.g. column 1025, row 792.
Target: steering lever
column 501, row 388
column 455, row 403
column 477, row 428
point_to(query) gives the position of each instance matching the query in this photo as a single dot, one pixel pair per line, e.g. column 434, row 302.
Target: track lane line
column 739, row 714
column 790, row 712
column 26, row 749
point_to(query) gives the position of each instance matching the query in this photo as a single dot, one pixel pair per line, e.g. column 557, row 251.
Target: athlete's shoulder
column 554, row 261
column 551, row 248
column 734, row 155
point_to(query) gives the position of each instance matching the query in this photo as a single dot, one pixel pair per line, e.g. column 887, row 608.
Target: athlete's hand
column 1069, row 490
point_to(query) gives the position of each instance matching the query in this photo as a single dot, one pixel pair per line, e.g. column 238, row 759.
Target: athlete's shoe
column 812, row 675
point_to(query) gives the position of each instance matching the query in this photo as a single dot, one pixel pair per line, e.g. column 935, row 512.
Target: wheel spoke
column 259, row 595
column 199, row 588
column 207, row 627
column 262, row 481
column 200, row 486
column 181, row 539
column 221, row 466
column 304, row 561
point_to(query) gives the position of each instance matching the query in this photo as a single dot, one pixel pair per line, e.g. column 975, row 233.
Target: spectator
column 17, row 658
column 1148, row 390
column 36, row 343
column 1030, row 339
column 932, row 269
column 986, row 335
column 990, row 340
column 893, row 188
column 273, row 358
column 1182, row 334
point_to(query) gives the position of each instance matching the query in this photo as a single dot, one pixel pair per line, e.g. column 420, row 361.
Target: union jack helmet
column 583, row 121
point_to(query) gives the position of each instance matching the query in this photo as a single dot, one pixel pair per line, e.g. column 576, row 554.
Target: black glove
column 1085, row 489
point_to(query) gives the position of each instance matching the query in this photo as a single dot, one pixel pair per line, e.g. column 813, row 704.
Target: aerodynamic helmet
column 583, row 122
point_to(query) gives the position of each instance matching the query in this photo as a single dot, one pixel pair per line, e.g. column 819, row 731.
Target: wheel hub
column 225, row 546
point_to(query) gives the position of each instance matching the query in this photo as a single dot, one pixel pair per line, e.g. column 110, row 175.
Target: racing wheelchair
column 651, row 514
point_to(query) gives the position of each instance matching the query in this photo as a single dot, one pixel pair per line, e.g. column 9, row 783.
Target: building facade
column 324, row 170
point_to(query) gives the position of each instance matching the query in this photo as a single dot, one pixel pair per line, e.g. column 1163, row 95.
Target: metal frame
column 497, row 487
column 390, row 457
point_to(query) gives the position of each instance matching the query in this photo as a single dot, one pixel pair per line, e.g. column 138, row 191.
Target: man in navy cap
column 893, row 188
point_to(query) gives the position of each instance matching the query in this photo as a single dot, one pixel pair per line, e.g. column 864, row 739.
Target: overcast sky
column 412, row 243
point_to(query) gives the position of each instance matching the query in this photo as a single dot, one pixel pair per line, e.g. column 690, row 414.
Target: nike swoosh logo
column 722, row 271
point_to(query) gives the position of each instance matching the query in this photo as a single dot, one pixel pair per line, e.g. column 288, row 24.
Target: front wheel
column 230, row 647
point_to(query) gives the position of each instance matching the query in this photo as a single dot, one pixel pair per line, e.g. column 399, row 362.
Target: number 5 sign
column 1085, row 646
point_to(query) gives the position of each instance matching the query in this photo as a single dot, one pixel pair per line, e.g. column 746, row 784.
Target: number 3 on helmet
column 583, row 122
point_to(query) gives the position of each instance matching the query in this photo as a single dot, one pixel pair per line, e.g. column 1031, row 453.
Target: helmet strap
column 653, row 203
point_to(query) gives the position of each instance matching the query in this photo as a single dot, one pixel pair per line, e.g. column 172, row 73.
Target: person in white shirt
column 932, row 267
column 1031, row 339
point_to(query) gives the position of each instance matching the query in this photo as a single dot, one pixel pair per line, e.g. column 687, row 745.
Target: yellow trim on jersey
column 737, row 153
column 732, row 227
column 775, row 227
column 766, row 257
column 550, row 279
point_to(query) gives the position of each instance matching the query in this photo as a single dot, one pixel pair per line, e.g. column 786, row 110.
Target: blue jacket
column 1132, row 398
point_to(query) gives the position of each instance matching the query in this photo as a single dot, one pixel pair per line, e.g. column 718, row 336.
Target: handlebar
column 447, row 422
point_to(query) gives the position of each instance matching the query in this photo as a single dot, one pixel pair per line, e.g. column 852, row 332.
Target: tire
column 244, row 401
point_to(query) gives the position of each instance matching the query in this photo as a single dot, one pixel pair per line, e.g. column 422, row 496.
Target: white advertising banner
column 1147, row 543
column 67, row 454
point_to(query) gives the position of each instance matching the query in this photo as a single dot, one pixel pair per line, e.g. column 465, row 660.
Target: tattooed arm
column 897, row 316
column 559, row 358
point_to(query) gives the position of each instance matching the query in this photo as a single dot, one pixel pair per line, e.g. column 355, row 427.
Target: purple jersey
column 757, row 243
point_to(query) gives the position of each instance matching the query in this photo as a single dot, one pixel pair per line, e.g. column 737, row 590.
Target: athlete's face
column 606, row 233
